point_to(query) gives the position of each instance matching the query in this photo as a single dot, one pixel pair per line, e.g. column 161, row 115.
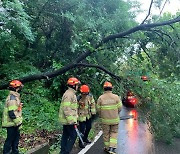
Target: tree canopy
column 94, row 41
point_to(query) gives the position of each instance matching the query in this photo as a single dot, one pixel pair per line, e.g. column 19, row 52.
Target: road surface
column 133, row 136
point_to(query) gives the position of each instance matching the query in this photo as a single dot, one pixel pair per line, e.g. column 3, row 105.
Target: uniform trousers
column 12, row 141
column 85, row 128
column 68, row 139
column 110, row 134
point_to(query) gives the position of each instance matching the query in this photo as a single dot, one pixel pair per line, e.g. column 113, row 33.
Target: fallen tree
column 76, row 63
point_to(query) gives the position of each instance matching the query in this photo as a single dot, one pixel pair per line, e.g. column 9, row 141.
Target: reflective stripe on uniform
column 12, row 107
column 93, row 110
column 119, row 104
column 7, row 124
column 113, row 140
column 106, row 143
column 74, row 106
column 10, row 122
column 71, row 118
column 63, row 121
column 81, row 119
column 69, row 104
column 12, row 104
column 93, row 101
column 109, row 107
column 109, row 121
column 65, row 103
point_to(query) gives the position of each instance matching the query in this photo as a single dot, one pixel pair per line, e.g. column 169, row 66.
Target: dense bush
column 42, row 36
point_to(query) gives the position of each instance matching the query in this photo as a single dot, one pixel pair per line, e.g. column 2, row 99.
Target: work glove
column 75, row 126
column 20, row 107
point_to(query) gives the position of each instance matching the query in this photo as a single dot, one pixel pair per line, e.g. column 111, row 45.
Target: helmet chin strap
column 19, row 89
column 85, row 94
column 12, row 89
column 72, row 86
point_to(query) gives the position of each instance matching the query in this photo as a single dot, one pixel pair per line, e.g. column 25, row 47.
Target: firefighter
column 86, row 112
column 12, row 118
column 68, row 116
column 108, row 107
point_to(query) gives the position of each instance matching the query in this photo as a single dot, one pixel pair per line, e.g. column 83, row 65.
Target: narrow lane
column 97, row 148
column 134, row 136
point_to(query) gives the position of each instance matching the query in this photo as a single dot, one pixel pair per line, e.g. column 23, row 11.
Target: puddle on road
column 134, row 136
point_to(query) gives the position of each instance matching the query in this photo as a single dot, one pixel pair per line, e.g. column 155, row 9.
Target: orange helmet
column 15, row 84
column 107, row 84
column 73, row 81
column 84, row 89
column 144, row 78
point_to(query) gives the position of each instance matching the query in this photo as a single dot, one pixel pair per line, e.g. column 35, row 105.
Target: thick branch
column 46, row 75
column 100, row 68
column 140, row 27
column 60, row 72
column 83, row 56
column 87, row 53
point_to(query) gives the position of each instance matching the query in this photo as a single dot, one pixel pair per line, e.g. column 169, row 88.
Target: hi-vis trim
column 113, row 140
column 109, row 107
column 13, row 107
column 109, row 121
column 69, row 104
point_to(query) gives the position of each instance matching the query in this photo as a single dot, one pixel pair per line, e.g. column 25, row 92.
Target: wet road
column 134, row 136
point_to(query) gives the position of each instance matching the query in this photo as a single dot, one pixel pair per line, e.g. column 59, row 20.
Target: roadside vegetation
column 42, row 36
